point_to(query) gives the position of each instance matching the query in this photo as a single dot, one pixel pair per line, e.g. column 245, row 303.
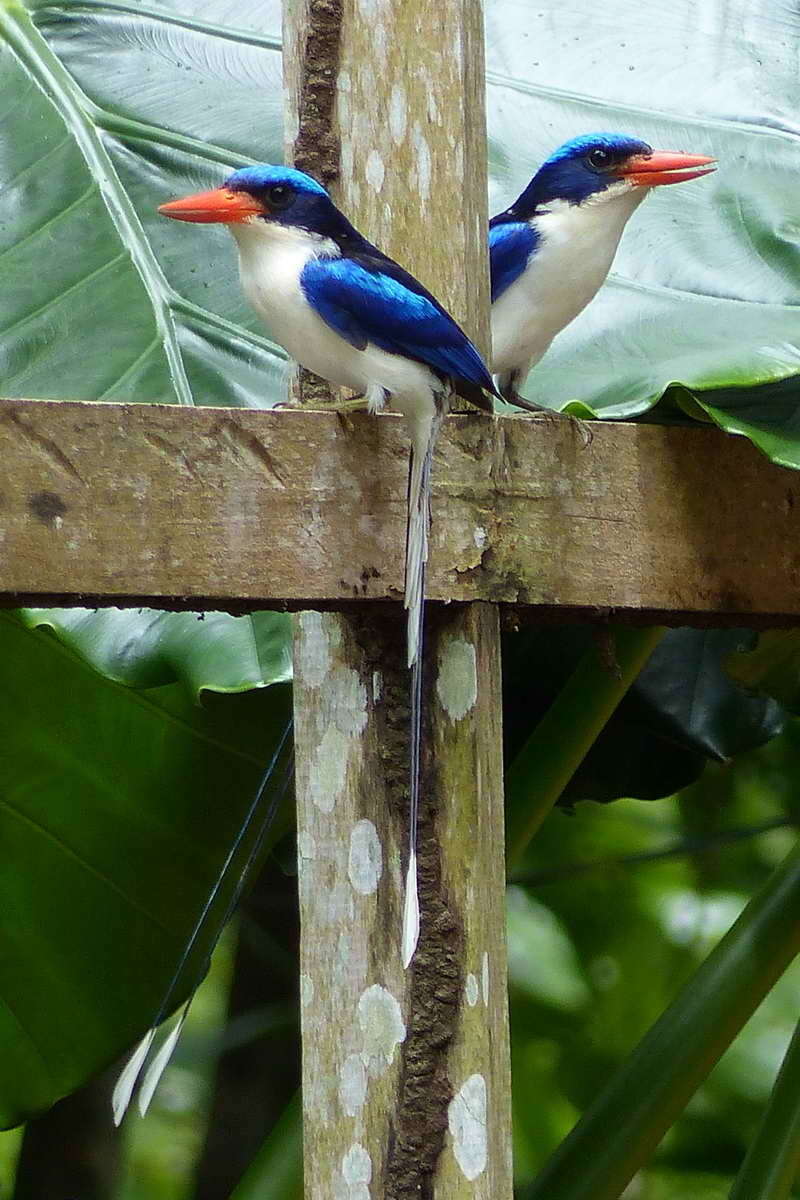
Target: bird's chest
column 270, row 267
column 575, row 250
column 271, row 263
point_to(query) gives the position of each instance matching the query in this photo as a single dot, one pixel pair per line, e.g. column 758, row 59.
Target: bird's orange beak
column 219, row 206
column 664, row 166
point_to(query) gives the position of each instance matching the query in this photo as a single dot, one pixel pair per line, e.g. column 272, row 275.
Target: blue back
column 366, row 297
column 511, row 244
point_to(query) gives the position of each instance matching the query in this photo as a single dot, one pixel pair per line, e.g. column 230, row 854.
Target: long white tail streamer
column 424, row 433
column 132, row 1071
column 158, row 1066
column 123, row 1089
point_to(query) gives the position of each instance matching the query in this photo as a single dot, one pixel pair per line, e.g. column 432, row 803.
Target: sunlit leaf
column 705, row 288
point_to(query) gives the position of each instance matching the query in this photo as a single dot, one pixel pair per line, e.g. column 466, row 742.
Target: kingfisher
column 349, row 313
column 346, row 311
column 551, row 250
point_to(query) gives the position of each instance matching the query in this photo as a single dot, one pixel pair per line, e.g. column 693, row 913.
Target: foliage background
column 108, row 107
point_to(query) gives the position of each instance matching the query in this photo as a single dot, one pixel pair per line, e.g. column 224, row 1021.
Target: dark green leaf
column 117, row 808
column 682, row 710
column 772, row 667
column 773, row 1161
column 620, row 1130
column 277, row 1169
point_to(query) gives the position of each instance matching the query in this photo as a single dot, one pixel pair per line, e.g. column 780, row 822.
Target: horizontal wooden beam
column 240, row 509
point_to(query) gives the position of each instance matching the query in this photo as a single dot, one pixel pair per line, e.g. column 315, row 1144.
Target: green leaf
column 108, row 110
column 541, row 959
column 117, row 808
column 704, row 288
column 621, row 1129
column 773, row 1161
column 559, row 743
column 681, row 711
column 277, row 1169
column 771, row 667
column 145, row 648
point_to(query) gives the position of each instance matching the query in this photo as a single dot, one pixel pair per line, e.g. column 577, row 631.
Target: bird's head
column 604, row 167
column 278, row 195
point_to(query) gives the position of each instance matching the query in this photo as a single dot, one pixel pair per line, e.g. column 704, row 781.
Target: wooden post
column 406, row 1075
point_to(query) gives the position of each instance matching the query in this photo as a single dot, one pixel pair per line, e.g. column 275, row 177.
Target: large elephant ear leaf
column 145, row 648
column 117, row 810
column 705, row 288
column 107, row 110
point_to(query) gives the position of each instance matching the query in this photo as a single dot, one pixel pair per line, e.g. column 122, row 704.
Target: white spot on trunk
column 356, row 1173
column 305, row 845
column 349, row 704
column 422, row 155
column 365, row 864
column 351, row 952
column 314, row 657
column 382, row 1026
column 485, row 977
column 398, row 113
column 471, row 990
column 466, row 1118
column 346, row 153
column 479, row 537
column 329, row 772
column 377, row 686
column 379, row 46
column 306, row 990
column 457, row 684
column 352, row 1084
column 375, row 170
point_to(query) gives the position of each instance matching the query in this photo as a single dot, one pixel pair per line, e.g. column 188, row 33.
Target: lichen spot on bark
column 314, row 650
column 466, row 1119
column 355, row 1175
column 365, row 860
column 457, row 682
column 382, row 1028
column 352, row 1084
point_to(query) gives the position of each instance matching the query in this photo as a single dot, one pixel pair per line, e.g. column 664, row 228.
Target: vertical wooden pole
column 406, row 1074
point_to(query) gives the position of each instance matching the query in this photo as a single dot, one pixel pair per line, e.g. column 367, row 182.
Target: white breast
column 576, row 248
column 271, row 260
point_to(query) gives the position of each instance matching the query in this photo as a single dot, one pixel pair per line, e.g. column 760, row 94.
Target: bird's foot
column 582, row 428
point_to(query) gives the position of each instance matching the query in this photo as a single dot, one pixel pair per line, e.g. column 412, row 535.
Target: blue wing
column 368, row 298
column 511, row 244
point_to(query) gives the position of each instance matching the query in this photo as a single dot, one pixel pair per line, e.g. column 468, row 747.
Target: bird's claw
column 553, row 415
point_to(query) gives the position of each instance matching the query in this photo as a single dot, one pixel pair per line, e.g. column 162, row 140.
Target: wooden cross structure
column 406, row 1074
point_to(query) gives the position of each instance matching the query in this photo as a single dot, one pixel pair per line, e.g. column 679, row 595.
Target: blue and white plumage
column 551, row 250
column 346, row 311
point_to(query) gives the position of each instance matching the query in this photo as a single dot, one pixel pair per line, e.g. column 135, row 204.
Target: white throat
column 576, row 247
